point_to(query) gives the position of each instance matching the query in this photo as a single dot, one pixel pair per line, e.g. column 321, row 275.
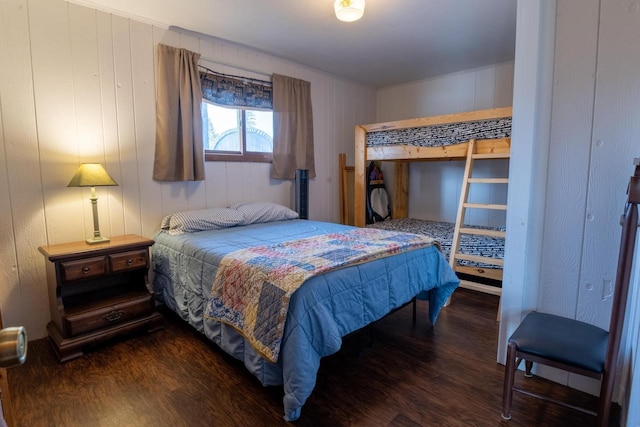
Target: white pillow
column 257, row 212
column 203, row 219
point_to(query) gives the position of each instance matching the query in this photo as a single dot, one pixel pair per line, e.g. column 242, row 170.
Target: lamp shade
column 91, row 175
column 349, row 10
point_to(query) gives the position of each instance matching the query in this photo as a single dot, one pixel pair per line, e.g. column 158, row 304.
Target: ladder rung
column 485, row 206
column 480, row 287
column 491, row 156
column 459, row 229
column 482, row 259
column 488, row 180
column 483, row 232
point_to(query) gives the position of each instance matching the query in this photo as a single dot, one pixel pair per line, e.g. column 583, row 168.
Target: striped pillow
column 203, row 219
column 257, row 212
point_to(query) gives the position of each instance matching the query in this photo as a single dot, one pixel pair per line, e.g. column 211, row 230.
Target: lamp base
column 99, row 239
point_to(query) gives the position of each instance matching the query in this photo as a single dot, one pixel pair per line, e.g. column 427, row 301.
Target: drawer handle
column 85, row 270
column 113, row 316
column 129, row 261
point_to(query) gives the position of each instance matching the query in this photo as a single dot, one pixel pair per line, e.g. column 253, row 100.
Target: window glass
column 237, row 134
column 221, row 128
column 259, row 131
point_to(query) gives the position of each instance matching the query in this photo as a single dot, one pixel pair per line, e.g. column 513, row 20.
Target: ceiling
column 396, row 41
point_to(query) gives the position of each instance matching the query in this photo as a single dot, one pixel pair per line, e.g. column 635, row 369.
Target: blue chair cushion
column 564, row 340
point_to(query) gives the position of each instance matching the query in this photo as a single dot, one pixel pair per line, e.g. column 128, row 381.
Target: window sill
column 255, row 158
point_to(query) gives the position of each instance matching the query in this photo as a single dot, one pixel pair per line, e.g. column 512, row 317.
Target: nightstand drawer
column 83, row 268
column 129, row 260
column 97, row 318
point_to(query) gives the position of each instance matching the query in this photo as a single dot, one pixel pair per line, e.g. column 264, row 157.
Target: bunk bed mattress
column 439, row 135
column 470, row 244
column 322, row 311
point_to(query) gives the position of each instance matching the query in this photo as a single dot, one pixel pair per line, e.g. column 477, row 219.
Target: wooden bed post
column 359, row 183
column 400, row 207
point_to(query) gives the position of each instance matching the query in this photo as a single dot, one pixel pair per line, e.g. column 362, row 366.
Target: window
column 237, row 117
column 237, row 134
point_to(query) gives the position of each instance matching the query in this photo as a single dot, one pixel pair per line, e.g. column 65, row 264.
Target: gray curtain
column 292, row 128
column 179, row 152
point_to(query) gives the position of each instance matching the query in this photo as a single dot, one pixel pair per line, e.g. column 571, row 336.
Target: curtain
column 179, row 152
column 292, row 128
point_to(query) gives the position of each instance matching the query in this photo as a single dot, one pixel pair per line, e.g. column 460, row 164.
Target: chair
column 576, row 346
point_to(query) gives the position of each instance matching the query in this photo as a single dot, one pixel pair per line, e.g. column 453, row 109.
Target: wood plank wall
column 574, row 69
column 594, row 138
column 78, row 85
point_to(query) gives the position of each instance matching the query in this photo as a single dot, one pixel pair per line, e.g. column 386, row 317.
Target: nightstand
column 97, row 292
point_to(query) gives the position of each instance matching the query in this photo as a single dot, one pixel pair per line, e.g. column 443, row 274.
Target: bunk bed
column 468, row 136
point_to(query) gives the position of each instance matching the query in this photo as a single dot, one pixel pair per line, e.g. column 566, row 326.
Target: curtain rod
column 238, row 67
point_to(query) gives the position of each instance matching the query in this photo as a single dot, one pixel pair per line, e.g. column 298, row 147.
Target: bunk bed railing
column 468, row 116
column 444, row 152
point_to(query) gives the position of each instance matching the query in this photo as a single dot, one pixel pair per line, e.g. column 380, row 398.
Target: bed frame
column 401, row 155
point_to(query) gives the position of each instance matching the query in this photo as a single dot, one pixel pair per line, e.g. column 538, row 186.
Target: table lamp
column 93, row 175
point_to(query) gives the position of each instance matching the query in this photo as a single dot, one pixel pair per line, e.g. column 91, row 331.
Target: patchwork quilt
column 253, row 286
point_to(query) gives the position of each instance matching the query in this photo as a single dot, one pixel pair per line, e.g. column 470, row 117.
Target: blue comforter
column 326, row 308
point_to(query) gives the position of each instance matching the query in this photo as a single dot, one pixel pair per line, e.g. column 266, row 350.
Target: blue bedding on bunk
column 323, row 310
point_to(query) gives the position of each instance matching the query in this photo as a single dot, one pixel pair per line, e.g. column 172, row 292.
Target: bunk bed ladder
column 460, row 229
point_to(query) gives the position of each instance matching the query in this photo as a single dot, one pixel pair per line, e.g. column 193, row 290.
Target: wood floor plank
column 409, row 375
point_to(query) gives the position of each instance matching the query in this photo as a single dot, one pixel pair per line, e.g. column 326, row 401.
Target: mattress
column 470, row 244
column 322, row 311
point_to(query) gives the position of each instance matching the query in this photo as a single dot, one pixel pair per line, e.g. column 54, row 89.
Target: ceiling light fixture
column 349, row 10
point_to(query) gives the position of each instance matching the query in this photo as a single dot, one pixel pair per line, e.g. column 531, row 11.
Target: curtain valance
column 236, row 91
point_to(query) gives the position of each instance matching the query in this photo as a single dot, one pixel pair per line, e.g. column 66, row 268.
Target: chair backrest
column 629, row 222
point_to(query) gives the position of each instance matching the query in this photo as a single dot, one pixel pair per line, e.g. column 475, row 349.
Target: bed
column 484, row 246
column 324, row 309
column 481, row 134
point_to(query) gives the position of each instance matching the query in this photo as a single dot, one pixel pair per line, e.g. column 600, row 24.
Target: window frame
column 244, row 155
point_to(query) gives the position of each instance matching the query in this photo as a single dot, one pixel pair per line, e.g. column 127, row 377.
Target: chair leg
column 527, row 368
column 509, row 373
column 604, row 401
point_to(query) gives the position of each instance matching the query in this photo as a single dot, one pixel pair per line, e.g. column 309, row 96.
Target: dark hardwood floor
column 408, row 376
